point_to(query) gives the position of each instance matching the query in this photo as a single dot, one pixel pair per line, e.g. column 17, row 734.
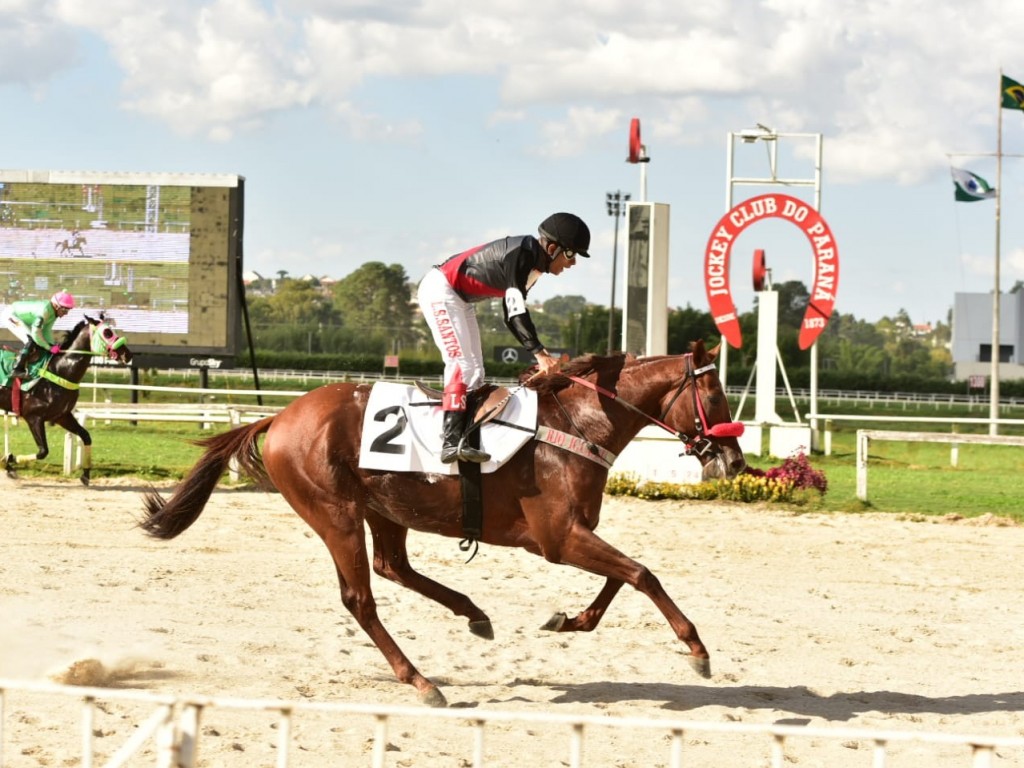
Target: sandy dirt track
column 812, row 620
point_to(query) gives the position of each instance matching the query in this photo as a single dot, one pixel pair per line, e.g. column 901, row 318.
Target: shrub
column 794, row 481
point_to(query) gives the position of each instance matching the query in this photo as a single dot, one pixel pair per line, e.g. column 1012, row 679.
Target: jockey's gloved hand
column 55, row 349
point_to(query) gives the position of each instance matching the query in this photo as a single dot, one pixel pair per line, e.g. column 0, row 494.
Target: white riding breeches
column 453, row 324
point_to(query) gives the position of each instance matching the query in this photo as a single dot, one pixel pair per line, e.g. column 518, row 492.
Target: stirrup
column 469, row 453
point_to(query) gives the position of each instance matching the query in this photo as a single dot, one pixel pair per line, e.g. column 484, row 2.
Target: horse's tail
column 167, row 518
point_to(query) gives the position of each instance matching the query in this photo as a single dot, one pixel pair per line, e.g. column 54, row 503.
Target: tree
column 687, row 325
column 564, row 306
column 376, row 298
column 296, row 302
column 793, row 298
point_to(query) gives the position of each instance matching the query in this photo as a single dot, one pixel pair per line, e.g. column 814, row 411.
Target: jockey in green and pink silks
column 32, row 322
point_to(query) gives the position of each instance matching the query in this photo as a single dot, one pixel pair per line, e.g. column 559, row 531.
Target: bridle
column 103, row 342
column 701, row 442
column 106, row 341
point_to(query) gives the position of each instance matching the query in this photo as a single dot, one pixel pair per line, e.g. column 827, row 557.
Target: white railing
column 864, row 436
column 824, row 424
column 174, row 729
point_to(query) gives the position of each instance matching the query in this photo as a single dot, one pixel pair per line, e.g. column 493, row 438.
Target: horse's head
column 104, row 341
column 698, row 410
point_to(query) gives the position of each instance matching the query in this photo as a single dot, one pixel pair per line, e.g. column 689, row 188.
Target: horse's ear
column 697, row 348
column 92, row 320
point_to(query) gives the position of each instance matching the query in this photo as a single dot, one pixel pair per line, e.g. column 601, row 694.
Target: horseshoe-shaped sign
column 826, row 263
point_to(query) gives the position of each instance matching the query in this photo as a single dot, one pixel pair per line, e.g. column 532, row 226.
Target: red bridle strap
column 612, row 396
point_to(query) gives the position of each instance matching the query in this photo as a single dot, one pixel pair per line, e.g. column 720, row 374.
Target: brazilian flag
column 1013, row 94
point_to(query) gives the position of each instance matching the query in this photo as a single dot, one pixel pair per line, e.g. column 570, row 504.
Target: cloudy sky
column 403, row 131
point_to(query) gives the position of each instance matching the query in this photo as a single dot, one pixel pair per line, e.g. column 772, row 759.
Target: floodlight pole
column 771, row 139
column 615, row 201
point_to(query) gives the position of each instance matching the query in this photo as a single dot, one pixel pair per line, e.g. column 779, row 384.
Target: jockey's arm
column 38, row 333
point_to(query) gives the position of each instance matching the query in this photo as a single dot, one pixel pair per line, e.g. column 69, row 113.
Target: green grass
column 903, row 478
column 150, row 451
column 917, row 478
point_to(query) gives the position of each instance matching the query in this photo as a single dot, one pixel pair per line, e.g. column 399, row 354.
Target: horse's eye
column 108, row 333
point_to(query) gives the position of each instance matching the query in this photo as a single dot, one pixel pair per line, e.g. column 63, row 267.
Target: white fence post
column 862, row 464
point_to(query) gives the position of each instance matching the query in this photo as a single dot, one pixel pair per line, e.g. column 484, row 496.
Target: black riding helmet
column 569, row 231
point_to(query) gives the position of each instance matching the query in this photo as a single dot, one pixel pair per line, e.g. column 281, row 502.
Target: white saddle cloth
column 402, row 430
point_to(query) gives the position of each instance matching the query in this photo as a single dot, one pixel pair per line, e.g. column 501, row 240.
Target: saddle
column 485, row 402
column 34, row 366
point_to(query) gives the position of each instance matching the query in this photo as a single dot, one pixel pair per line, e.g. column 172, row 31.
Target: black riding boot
column 20, row 368
column 455, row 446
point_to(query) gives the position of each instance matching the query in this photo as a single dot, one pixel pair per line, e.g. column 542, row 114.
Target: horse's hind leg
column 391, row 560
column 345, row 540
column 70, row 423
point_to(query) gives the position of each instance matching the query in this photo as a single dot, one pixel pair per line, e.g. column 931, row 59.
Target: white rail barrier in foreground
column 865, row 436
column 174, row 728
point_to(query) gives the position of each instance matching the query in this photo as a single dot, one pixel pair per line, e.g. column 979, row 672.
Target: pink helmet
column 63, row 299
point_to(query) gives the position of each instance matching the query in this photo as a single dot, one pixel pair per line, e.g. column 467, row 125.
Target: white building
column 972, row 335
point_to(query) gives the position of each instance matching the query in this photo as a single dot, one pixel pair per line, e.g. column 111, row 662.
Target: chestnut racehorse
column 544, row 499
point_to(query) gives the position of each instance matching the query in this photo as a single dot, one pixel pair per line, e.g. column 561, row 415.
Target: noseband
column 700, row 444
column 106, row 341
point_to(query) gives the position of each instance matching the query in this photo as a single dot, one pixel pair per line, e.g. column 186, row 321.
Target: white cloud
column 564, row 138
column 881, row 80
column 33, row 46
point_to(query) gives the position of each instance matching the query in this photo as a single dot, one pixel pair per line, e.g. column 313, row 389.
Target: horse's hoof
column 482, row 629
column 434, row 698
column 556, row 622
column 701, row 666
column 84, row 479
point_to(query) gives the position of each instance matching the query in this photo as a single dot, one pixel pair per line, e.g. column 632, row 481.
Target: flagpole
column 993, row 411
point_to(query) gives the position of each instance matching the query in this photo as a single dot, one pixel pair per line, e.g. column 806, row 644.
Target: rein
column 700, row 442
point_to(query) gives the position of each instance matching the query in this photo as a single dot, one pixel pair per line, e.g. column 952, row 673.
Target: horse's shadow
column 840, row 706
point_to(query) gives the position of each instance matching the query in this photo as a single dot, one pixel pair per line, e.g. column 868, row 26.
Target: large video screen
column 158, row 253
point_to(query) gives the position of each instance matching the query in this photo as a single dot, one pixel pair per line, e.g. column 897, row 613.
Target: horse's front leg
column 584, row 549
column 70, row 423
column 391, row 561
column 587, row 620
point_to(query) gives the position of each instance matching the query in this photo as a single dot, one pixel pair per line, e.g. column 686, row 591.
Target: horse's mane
column 607, row 368
column 70, row 336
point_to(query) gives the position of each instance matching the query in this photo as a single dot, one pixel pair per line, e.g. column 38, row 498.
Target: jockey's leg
column 20, row 367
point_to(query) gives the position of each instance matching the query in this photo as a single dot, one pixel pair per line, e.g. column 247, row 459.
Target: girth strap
column 60, row 381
